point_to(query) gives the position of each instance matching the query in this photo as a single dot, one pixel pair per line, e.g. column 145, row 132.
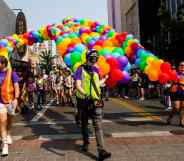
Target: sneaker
column 4, row 150
column 141, row 99
column 126, row 97
column 168, row 108
column 9, row 140
column 102, row 155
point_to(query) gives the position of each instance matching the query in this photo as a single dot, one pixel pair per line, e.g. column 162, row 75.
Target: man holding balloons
column 88, row 93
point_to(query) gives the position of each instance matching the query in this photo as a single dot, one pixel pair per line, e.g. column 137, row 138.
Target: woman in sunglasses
column 177, row 95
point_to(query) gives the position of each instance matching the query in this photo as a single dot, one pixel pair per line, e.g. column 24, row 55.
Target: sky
column 43, row 12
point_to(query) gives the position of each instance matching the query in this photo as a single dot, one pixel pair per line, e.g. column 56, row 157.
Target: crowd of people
column 42, row 87
column 35, row 90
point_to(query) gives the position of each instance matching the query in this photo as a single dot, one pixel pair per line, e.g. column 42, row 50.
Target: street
column 134, row 131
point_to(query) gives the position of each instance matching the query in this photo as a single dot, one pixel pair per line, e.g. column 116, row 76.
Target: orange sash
column 7, row 88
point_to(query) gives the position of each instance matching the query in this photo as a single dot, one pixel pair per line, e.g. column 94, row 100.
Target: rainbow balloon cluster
column 117, row 51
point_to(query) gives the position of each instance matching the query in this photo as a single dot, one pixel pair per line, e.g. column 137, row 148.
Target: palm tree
column 46, row 58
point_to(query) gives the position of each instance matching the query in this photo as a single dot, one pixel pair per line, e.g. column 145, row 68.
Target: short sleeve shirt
column 78, row 73
column 15, row 78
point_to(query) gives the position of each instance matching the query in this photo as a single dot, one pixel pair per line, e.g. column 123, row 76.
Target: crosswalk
column 109, row 124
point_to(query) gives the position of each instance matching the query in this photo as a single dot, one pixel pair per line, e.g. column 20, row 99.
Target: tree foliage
column 46, row 58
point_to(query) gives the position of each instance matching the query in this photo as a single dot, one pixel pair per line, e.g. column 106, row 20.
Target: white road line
column 41, row 113
column 77, row 136
column 137, row 119
column 60, row 137
column 50, row 122
column 140, row 134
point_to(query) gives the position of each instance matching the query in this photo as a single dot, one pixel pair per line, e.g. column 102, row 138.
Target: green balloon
column 82, row 21
column 119, row 50
column 72, row 35
column 104, row 51
column 110, row 34
column 142, row 66
column 75, row 57
column 144, row 56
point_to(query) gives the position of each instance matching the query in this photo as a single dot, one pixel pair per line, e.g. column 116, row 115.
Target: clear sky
column 43, row 12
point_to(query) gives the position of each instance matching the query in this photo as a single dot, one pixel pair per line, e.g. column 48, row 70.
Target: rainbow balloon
column 117, row 51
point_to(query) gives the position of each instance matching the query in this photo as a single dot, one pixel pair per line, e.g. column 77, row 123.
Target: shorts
column 3, row 108
column 176, row 96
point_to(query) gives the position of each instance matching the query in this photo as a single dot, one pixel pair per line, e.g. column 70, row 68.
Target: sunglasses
column 93, row 59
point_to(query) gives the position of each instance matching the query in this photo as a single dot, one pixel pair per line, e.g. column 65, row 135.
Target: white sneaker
column 141, row 99
column 9, row 139
column 168, row 108
column 4, row 149
column 126, row 97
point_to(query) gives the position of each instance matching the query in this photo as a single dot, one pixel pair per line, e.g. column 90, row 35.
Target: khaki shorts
column 3, row 108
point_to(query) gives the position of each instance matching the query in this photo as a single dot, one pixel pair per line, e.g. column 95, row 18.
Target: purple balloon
column 126, row 77
column 103, row 37
column 81, row 30
column 69, row 50
column 123, row 61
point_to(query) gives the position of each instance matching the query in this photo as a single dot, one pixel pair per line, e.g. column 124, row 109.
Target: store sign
column 21, row 27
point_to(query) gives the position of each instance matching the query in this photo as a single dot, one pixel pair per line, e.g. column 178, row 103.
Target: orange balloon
column 108, row 43
column 76, row 41
column 153, row 75
column 101, row 61
column 97, row 47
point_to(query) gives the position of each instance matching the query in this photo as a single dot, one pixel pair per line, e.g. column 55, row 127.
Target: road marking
column 78, row 136
column 31, row 123
column 141, row 134
column 60, row 137
column 42, row 112
column 137, row 119
column 136, row 108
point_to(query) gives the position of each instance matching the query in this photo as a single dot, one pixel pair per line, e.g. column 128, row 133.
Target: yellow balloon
column 75, row 67
column 83, row 57
column 150, row 60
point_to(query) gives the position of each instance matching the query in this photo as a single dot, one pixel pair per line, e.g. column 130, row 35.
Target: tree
column 46, row 58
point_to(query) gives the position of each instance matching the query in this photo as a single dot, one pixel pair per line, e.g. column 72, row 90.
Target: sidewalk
column 127, row 149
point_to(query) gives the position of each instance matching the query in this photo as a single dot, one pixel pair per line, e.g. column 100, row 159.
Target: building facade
column 123, row 15
column 7, row 20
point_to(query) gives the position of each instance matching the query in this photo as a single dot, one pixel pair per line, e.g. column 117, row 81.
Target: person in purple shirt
column 85, row 104
column 7, row 109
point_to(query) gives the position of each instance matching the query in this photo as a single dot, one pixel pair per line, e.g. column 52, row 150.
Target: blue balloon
column 67, row 59
column 137, row 62
column 127, row 68
column 80, row 48
column 3, row 43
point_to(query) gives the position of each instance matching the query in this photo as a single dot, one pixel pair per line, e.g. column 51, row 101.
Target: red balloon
column 163, row 78
column 113, row 63
column 111, row 83
column 134, row 46
column 99, row 42
column 173, row 75
column 165, row 67
column 26, row 35
column 116, row 75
